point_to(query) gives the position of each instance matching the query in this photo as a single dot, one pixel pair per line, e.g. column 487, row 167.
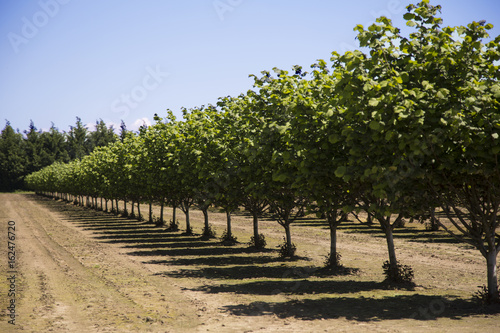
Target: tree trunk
column 399, row 222
column 333, row 239
column 132, row 209
column 162, row 204
column 286, row 225
column 344, row 217
column 125, row 207
column 139, row 217
column 174, row 212
column 117, row 208
column 188, row 223
column 255, row 227
column 434, row 221
column 150, row 212
column 491, row 261
column 228, row 218
column 205, row 217
column 386, row 226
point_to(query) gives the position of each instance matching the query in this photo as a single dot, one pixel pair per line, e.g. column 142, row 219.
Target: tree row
column 407, row 125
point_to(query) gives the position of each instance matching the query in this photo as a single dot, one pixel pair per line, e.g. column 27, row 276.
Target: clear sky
column 118, row 59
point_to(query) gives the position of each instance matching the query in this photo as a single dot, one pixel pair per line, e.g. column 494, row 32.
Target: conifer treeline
column 33, row 149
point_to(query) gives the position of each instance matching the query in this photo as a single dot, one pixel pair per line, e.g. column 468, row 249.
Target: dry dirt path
column 84, row 271
column 71, row 283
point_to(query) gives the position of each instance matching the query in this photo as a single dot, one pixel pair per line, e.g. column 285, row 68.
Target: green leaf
column 398, row 109
column 375, row 125
column 426, row 85
column 373, row 102
column 495, row 89
column 333, row 138
column 286, row 156
column 340, row 172
column 405, row 77
column 358, row 28
column 409, row 16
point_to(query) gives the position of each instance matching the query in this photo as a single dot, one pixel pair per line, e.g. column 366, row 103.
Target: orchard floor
column 78, row 270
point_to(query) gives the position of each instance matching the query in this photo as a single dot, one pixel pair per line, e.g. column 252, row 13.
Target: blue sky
column 115, row 60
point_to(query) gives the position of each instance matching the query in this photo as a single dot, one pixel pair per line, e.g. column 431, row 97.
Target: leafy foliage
column 287, row 250
column 400, row 274
column 258, row 242
column 483, row 296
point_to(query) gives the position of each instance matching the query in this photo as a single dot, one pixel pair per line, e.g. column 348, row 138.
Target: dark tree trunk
column 150, row 212
column 228, row 229
column 205, row 218
column 255, row 227
column 288, row 234
column 162, row 205
column 385, row 223
column 333, row 223
column 188, row 222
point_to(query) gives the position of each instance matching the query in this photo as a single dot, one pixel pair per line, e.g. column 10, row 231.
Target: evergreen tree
column 102, row 136
column 12, row 159
column 78, row 145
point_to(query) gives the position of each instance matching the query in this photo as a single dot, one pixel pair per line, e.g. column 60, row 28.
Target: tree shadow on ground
column 424, row 236
column 218, row 260
column 239, row 272
column 417, row 307
column 210, row 249
column 295, row 287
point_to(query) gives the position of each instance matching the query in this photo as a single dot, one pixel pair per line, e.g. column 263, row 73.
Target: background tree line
column 30, row 151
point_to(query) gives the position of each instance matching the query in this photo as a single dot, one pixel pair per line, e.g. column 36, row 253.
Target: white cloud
column 138, row 123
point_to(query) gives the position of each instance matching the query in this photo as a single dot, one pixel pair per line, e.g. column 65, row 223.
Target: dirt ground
column 77, row 270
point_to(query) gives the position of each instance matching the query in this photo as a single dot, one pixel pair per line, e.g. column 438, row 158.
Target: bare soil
column 78, row 270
